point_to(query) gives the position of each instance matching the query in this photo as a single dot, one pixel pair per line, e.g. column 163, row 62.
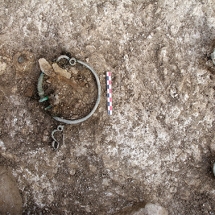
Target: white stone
column 2, row 67
column 60, row 71
column 45, row 67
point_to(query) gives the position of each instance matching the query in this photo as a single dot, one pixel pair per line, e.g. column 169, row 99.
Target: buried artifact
column 55, row 70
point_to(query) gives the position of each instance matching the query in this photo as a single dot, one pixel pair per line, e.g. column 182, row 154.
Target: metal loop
column 60, row 127
column 213, row 57
column 55, row 143
column 72, row 61
column 62, row 57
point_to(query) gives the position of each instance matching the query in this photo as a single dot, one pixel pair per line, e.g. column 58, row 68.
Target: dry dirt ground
column 159, row 144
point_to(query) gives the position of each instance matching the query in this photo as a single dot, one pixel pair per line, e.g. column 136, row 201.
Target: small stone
column 75, row 116
column 93, row 168
column 21, row 59
column 2, row 67
column 45, row 138
column 60, row 71
column 56, row 99
column 153, row 209
column 87, row 208
column 212, row 147
column 45, row 67
column 48, row 81
column 105, row 182
column 23, row 62
column 72, row 172
column 72, row 168
column 77, row 105
column 73, row 70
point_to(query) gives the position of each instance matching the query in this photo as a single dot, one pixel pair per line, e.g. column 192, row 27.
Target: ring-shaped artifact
column 72, row 62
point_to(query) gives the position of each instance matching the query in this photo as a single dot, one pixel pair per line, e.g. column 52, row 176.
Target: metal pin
column 55, row 143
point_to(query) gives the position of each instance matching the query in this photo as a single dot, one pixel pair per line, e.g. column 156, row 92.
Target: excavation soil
column 157, row 147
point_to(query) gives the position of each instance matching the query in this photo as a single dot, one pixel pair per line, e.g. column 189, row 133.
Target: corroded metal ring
column 72, row 62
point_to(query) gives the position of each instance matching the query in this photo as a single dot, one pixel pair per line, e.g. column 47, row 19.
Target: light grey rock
column 154, row 209
column 60, row 71
column 46, row 67
column 151, row 209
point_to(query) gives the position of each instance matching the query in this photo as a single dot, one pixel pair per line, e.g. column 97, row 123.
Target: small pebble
column 77, row 105
column 60, row 71
column 21, row 59
column 73, row 70
column 46, row 67
column 74, row 116
column 72, row 172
